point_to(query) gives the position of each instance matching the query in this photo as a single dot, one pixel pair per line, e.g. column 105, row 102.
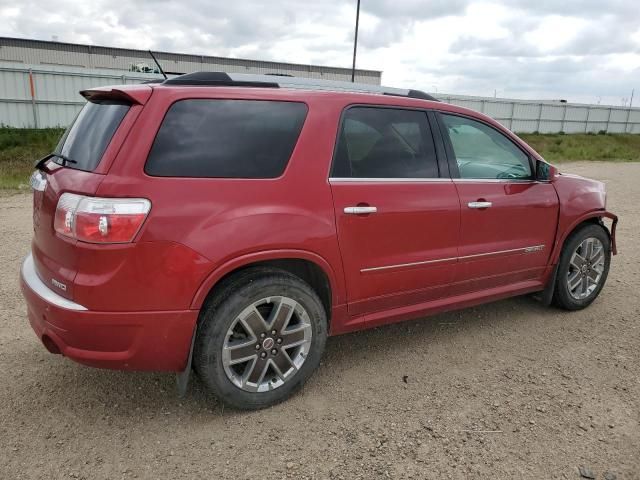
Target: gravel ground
column 506, row 390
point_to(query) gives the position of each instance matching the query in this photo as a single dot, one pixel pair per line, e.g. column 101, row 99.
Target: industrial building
column 59, row 54
column 40, row 81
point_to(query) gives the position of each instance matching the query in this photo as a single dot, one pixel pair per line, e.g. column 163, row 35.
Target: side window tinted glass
column 226, row 139
column 385, row 143
column 484, row 153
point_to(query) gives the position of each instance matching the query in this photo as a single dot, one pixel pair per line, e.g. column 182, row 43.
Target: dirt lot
column 506, row 390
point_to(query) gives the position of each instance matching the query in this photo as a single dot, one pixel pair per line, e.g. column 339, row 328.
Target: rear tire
column 260, row 338
column 583, row 267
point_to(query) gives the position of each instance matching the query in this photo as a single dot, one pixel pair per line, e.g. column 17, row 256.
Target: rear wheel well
column 306, row 270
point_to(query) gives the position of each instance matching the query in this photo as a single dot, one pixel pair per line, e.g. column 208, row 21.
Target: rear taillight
column 100, row 220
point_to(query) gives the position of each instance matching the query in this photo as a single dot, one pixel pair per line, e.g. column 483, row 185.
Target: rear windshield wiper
column 64, row 159
column 39, row 164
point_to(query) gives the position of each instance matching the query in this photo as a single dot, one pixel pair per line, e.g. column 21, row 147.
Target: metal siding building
column 45, row 53
column 40, row 81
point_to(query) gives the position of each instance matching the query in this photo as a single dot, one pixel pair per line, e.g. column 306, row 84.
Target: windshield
column 86, row 139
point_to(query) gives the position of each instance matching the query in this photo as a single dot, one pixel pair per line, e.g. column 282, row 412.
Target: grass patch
column 19, row 148
column 610, row 147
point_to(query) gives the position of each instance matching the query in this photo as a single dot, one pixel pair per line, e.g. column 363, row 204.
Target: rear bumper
column 155, row 340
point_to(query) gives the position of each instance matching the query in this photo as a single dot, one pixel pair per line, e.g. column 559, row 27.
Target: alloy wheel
column 267, row 344
column 586, row 268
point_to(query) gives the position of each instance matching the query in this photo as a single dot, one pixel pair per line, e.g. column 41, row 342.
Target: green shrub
column 581, row 146
column 19, row 148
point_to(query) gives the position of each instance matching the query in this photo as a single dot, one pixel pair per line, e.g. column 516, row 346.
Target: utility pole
column 626, row 125
column 355, row 44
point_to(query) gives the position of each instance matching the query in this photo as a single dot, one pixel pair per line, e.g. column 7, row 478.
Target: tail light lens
column 100, row 220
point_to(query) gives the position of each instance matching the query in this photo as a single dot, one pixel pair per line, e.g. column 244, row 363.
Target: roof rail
column 280, row 81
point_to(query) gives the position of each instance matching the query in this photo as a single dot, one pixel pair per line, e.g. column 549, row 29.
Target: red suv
column 229, row 223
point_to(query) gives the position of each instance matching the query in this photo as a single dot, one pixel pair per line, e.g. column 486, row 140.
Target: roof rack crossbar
column 277, row 81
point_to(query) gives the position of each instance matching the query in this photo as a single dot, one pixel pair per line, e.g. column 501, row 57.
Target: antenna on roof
column 355, row 44
column 158, row 64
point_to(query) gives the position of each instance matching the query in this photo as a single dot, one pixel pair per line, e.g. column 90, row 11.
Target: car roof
column 250, row 86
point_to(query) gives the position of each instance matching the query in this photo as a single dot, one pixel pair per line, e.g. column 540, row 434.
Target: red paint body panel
column 119, row 340
column 415, row 222
column 523, row 214
column 490, row 294
column 580, row 199
column 56, row 257
column 141, row 276
column 335, row 281
column 143, row 298
column 137, row 94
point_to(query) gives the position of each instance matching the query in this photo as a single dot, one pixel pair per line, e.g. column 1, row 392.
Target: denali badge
column 58, row 284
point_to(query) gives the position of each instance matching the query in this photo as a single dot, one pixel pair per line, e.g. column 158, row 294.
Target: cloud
column 578, row 50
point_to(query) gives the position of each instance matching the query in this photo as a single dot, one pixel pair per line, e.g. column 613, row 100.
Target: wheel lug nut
column 273, row 332
column 279, row 340
column 262, row 335
column 263, row 354
column 274, row 351
column 257, row 346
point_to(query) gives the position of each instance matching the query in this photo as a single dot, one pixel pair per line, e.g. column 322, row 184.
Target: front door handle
column 360, row 210
column 479, row 204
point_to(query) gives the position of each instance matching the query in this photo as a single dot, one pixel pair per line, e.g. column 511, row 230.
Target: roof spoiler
column 136, row 94
column 221, row 79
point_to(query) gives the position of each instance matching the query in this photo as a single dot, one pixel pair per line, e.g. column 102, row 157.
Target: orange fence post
column 33, row 99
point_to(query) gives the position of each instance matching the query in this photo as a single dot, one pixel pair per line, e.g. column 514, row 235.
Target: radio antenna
column 158, row 64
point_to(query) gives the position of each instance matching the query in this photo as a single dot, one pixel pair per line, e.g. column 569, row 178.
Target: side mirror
column 545, row 172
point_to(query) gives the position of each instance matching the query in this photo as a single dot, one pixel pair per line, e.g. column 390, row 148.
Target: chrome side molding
column 523, row 250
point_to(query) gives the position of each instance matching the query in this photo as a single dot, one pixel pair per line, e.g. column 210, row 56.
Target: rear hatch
column 77, row 165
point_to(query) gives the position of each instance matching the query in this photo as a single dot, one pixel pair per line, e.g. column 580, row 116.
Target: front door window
column 484, row 153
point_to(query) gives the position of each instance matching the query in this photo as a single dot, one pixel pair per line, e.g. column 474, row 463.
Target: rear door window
column 87, row 138
column 385, row 143
column 226, row 139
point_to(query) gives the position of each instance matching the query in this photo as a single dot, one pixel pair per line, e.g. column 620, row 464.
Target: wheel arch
column 594, row 217
column 306, row 265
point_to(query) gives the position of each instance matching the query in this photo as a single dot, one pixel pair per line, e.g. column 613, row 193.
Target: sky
column 582, row 51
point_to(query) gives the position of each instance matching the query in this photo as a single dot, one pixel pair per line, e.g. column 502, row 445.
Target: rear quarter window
column 226, row 139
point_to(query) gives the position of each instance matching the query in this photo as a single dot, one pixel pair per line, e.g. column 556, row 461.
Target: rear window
column 87, row 137
column 226, row 139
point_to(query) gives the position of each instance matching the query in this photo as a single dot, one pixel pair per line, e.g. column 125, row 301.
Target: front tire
column 260, row 338
column 583, row 267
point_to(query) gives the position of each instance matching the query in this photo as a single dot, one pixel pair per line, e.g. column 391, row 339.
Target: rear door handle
column 360, row 210
column 479, row 204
